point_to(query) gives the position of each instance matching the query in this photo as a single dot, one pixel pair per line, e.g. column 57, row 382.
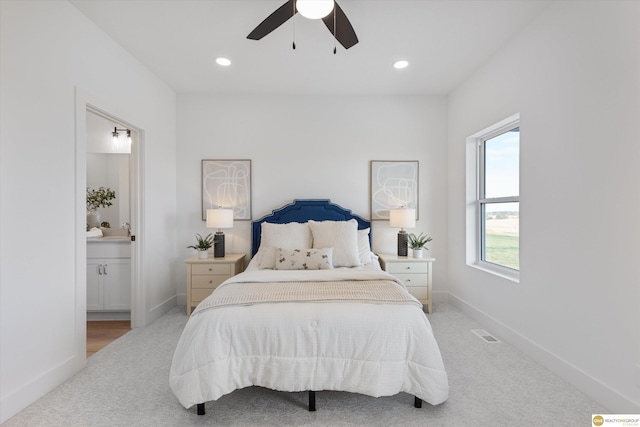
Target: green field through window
column 503, row 250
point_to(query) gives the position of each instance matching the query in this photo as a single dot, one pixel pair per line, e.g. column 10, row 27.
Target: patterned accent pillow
column 304, row 259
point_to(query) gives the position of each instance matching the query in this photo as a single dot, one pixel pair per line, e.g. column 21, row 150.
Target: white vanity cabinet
column 109, row 275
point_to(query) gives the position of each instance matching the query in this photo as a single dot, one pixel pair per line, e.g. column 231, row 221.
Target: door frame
column 86, row 102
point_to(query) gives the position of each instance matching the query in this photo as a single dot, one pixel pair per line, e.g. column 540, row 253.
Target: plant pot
column 93, row 219
column 417, row 253
column 203, row 254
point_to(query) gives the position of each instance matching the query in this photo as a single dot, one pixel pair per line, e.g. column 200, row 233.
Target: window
column 494, row 214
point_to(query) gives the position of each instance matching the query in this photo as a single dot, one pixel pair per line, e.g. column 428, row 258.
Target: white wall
column 47, row 50
column 573, row 75
column 312, row 147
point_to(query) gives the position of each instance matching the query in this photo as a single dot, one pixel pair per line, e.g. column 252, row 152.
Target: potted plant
column 100, row 198
column 203, row 244
column 418, row 243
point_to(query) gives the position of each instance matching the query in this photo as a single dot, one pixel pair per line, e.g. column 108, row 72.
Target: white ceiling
column 445, row 41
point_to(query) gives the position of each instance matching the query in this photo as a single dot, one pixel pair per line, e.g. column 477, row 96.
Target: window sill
column 505, row 273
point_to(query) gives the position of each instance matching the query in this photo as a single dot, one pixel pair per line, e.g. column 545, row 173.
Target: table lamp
column 219, row 218
column 403, row 218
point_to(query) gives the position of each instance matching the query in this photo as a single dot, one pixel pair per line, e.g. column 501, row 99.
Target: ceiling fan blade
column 344, row 31
column 273, row 21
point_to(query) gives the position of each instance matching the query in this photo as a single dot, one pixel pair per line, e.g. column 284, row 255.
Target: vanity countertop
column 109, row 239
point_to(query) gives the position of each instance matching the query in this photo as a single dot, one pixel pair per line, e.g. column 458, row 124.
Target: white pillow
column 304, row 259
column 288, row 236
column 364, row 246
column 342, row 236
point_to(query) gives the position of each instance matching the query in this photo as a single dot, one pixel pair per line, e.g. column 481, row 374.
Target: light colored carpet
column 126, row 384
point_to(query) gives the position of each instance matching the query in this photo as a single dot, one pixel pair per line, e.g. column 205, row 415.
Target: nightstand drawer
column 211, row 269
column 412, row 279
column 421, row 293
column 406, row 267
column 207, row 282
column 198, row 295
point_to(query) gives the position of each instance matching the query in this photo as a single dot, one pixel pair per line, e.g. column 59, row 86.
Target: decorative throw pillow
column 289, row 236
column 304, row 259
column 342, row 236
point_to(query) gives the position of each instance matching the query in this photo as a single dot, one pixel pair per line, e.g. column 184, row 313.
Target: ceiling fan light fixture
column 314, row 9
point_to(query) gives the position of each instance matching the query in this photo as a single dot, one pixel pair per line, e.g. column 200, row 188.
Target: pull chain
column 294, row 26
column 334, row 28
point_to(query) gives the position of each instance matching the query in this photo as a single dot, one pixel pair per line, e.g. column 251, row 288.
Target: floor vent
column 485, row 336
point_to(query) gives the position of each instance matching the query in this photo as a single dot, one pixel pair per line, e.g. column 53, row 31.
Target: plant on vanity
column 203, row 244
column 99, row 198
column 417, row 243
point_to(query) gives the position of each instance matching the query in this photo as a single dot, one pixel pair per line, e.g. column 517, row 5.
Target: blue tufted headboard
column 302, row 210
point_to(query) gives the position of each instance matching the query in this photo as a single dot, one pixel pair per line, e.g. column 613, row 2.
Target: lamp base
column 218, row 247
column 403, row 243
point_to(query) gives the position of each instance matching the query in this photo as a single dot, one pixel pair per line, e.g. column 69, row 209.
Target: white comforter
column 361, row 347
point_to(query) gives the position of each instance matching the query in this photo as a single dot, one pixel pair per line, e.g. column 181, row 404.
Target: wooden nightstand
column 415, row 273
column 204, row 275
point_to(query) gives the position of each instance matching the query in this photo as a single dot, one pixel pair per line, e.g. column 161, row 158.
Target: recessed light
column 225, row 62
column 401, row 64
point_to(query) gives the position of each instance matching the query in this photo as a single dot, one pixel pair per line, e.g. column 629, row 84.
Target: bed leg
column 312, row 401
column 417, row 403
column 200, row 408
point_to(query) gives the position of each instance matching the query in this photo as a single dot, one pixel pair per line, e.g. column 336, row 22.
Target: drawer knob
column 210, row 269
column 210, row 281
column 408, row 268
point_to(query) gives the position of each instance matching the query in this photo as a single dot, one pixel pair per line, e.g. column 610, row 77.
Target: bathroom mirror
column 111, row 171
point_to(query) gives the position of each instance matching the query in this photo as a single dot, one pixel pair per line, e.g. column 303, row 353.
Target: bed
column 313, row 311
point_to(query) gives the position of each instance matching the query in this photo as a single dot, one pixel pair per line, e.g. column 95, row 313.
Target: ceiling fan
column 334, row 18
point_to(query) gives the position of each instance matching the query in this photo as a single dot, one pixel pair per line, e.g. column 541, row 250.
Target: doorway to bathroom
column 111, row 146
column 109, row 217
column 109, row 155
column 87, row 104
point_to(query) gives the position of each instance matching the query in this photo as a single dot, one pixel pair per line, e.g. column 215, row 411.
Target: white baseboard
column 156, row 312
column 19, row 399
column 600, row 392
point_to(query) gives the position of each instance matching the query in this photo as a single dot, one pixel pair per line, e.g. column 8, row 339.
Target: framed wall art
column 394, row 184
column 227, row 184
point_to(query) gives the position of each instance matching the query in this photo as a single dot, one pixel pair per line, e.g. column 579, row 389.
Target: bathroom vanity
column 109, row 278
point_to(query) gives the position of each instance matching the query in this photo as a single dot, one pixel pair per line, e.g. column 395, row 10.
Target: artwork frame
column 393, row 184
column 226, row 183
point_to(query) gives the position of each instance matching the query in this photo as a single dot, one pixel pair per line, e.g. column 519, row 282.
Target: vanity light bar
column 116, row 135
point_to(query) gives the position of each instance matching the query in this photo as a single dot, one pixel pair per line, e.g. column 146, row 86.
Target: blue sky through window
column 502, row 172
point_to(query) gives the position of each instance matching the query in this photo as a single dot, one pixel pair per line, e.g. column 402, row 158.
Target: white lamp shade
column 219, row 218
column 314, row 9
column 402, row 218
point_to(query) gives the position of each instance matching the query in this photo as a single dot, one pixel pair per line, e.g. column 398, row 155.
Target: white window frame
column 475, row 198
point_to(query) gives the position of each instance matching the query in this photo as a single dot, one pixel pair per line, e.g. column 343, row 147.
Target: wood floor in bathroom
column 101, row 332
